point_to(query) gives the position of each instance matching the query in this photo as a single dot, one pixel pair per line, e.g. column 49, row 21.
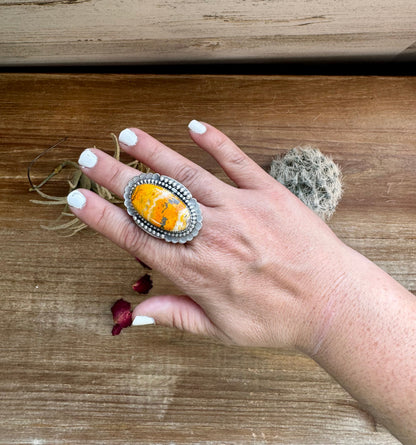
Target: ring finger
column 113, row 175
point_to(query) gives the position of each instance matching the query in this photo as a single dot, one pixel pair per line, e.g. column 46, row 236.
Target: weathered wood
column 64, row 379
column 149, row 31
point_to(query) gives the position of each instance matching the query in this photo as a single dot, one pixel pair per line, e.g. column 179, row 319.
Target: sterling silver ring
column 163, row 207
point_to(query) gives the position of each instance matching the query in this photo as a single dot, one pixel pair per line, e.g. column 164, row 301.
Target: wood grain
column 152, row 31
column 64, row 379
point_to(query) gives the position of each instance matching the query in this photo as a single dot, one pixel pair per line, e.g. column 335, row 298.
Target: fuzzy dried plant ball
column 313, row 177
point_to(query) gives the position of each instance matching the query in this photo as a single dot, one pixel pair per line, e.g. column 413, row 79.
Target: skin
column 288, row 283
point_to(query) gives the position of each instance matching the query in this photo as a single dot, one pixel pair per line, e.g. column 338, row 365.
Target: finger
column 236, row 164
column 203, row 185
column 115, row 224
column 179, row 312
column 106, row 171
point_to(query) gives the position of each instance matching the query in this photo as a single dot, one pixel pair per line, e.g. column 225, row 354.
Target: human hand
column 263, row 269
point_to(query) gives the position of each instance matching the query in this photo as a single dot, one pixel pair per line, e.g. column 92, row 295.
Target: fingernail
column 128, row 137
column 142, row 320
column 87, row 159
column 196, row 127
column 76, row 199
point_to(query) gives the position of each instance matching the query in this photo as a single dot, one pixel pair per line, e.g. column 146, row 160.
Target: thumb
column 177, row 311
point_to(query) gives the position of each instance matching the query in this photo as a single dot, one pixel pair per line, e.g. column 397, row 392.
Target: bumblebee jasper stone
column 163, row 207
column 160, row 207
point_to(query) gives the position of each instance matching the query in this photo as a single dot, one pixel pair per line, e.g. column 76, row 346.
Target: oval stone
column 160, row 207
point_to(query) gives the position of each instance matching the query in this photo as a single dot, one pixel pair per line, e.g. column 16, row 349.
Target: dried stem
column 78, row 180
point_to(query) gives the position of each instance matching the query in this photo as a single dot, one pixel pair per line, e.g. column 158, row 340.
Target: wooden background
column 131, row 31
column 64, row 379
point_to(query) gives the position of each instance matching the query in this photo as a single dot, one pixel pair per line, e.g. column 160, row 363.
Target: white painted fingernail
column 128, row 137
column 196, row 127
column 76, row 199
column 142, row 320
column 87, row 159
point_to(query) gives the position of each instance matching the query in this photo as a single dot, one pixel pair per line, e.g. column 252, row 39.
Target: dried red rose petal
column 122, row 317
column 143, row 264
column 116, row 329
column 143, row 285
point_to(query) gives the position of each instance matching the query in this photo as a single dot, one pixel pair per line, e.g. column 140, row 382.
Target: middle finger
column 203, row 185
column 114, row 175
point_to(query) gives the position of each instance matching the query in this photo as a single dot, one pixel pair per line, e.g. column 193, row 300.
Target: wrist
column 366, row 341
column 329, row 303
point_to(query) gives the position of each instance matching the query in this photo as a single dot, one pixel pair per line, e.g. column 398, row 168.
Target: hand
column 262, row 270
column 265, row 271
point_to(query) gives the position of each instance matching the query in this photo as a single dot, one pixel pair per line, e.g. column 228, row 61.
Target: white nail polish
column 196, row 127
column 128, row 137
column 76, row 199
column 87, row 159
column 142, row 320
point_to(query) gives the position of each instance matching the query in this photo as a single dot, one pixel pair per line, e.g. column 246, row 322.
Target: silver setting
column 181, row 192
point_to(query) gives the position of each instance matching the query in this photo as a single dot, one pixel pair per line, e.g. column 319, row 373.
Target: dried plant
column 313, row 177
column 67, row 224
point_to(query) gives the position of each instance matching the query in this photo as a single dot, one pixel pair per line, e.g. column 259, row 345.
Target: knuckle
column 131, row 238
column 103, row 217
column 187, row 174
column 127, row 235
column 115, row 174
column 222, row 143
column 153, row 150
column 179, row 320
column 237, row 158
column 231, row 153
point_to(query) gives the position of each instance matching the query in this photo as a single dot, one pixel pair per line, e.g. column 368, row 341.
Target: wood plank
column 409, row 54
column 64, row 379
column 149, row 31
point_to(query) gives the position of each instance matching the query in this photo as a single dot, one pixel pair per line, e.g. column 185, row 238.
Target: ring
column 163, row 207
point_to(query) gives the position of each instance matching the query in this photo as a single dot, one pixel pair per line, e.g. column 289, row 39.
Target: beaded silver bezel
column 181, row 192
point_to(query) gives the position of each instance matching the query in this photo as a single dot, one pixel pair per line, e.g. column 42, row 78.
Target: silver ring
column 163, row 207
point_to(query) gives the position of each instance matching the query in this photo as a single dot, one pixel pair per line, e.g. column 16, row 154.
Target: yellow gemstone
column 160, row 207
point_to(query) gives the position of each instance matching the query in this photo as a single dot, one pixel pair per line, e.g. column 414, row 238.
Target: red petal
column 116, row 329
column 143, row 264
column 143, row 285
column 122, row 313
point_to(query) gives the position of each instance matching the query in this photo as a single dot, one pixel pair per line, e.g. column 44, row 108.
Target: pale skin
column 266, row 271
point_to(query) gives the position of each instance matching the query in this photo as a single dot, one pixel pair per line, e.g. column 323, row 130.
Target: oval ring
column 163, row 207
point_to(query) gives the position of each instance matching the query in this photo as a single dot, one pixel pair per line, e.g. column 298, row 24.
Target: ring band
column 163, row 207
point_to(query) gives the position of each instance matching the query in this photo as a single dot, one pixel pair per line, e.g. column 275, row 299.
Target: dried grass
column 67, row 224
